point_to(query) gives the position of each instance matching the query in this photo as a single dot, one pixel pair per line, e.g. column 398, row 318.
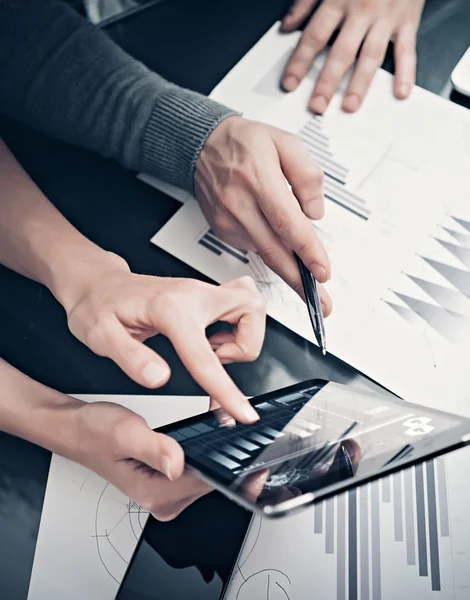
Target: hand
column 118, row 445
column 240, row 183
column 371, row 24
column 113, row 311
column 147, row 466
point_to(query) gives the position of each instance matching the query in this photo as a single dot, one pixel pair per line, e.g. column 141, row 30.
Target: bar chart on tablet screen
column 413, row 524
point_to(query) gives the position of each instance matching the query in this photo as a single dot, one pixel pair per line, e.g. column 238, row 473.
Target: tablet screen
column 310, row 438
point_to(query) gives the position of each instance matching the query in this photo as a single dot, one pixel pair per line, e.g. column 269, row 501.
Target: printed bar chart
column 318, row 144
column 217, row 247
column 351, row 527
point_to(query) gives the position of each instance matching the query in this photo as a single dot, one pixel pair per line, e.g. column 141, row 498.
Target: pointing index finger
column 195, row 351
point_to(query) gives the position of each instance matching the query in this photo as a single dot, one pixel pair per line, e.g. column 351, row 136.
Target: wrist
column 36, row 413
column 78, row 275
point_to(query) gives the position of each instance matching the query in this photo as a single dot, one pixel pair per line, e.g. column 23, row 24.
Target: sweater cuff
column 176, row 132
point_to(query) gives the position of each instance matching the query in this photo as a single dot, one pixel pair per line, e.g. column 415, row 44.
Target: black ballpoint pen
column 313, row 304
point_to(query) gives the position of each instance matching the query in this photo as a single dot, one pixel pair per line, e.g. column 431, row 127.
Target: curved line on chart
column 117, row 552
column 279, row 585
column 253, row 547
column 264, row 571
column 132, row 526
column 119, row 522
column 139, row 512
column 96, row 535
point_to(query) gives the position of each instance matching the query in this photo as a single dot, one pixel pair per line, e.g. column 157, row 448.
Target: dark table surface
column 194, row 43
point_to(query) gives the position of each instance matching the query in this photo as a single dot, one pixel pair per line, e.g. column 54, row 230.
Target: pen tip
column 323, row 351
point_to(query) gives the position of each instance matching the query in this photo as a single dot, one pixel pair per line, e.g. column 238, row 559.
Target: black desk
column 194, row 43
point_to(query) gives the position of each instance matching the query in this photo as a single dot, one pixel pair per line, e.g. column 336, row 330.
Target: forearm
column 36, row 240
column 66, row 78
column 37, row 413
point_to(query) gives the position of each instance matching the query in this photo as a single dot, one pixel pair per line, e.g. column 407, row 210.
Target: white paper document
column 405, row 537
column 89, row 529
column 397, row 227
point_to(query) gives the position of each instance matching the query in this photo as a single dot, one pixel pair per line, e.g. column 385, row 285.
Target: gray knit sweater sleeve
column 63, row 76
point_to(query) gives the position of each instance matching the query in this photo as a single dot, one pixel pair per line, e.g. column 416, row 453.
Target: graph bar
column 421, row 521
column 375, row 543
column 333, row 178
column 432, row 521
column 341, row 546
column 465, row 224
column 405, row 313
column 460, row 279
column 443, row 503
column 386, row 489
column 445, row 323
column 218, row 244
column 326, row 164
column 231, row 451
column 209, row 247
column 223, row 460
column 462, row 238
column 245, row 252
column 329, row 527
column 317, row 142
column 245, row 444
column 347, row 207
column 397, row 507
column 318, row 518
column 364, row 539
column 348, row 199
column 462, row 254
column 342, row 192
column 445, row 297
column 314, row 127
column 352, row 543
column 409, row 518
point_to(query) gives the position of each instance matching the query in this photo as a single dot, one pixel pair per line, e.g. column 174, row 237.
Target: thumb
column 139, row 362
column 159, row 452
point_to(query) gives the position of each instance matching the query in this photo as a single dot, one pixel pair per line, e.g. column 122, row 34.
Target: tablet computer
column 313, row 440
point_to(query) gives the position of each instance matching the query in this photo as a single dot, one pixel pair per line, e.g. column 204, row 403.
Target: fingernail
column 351, row 102
column 319, row 273
column 318, row 104
column 403, row 89
column 215, row 346
column 166, row 465
column 226, row 361
column 250, row 413
column 260, row 482
column 290, row 82
column 154, row 373
column 227, row 421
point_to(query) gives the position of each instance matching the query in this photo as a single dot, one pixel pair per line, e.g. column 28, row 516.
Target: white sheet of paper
column 89, row 529
column 397, row 227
